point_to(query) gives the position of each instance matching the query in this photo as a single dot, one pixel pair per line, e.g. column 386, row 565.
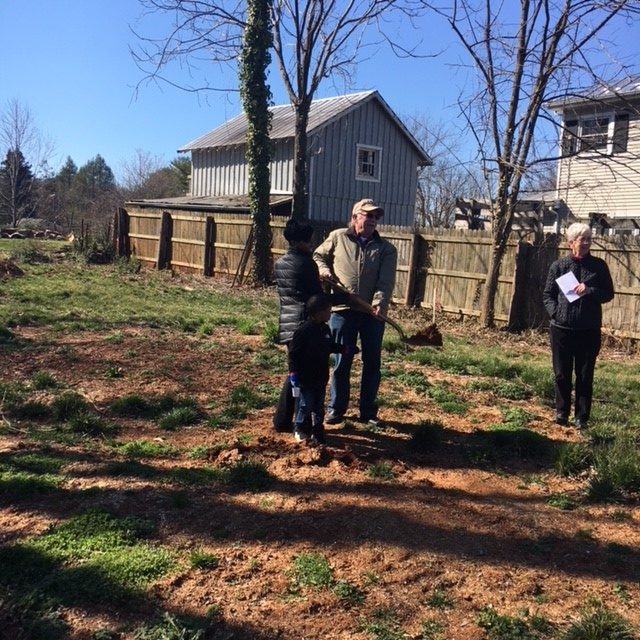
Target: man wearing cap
column 363, row 262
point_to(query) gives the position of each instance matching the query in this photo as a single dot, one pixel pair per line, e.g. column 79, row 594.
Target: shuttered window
column 601, row 133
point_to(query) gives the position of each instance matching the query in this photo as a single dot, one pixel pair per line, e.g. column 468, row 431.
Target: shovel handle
column 359, row 302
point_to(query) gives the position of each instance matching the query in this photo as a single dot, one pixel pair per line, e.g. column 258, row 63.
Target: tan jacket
column 369, row 272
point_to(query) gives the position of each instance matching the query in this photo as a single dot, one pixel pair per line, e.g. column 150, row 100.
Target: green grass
column 147, row 449
column 242, row 401
column 92, row 558
column 432, row 630
column 573, row 458
column 440, row 599
column 170, row 628
column 312, row 570
column 69, row 295
column 348, row 593
column 617, row 469
column 381, row 471
column 382, row 624
column 426, row 436
column 43, row 380
column 199, row 559
column 447, row 400
column 178, row 417
column 504, row 627
column 562, row 501
column 597, row 622
column 69, row 405
column 249, row 476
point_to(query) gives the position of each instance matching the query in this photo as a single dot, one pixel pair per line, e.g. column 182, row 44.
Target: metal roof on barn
column 238, row 203
column 322, row 113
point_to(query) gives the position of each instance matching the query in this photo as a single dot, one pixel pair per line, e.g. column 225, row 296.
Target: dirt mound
column 8, row 269
column 430, row 336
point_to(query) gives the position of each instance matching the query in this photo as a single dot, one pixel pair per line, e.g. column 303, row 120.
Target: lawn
column 144, row 494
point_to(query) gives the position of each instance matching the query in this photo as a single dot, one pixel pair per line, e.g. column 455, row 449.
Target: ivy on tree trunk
column 256, row 96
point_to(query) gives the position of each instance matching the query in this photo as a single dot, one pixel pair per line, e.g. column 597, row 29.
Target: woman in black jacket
column 297, row 280
column 576, row 320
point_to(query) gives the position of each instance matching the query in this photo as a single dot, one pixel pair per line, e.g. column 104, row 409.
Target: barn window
column 368, row 163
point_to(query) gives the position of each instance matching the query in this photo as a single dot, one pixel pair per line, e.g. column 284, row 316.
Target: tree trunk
column 256, row 96
column 490, row 290
column 300, row 195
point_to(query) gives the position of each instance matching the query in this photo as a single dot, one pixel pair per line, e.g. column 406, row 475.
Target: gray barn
column 358, row 148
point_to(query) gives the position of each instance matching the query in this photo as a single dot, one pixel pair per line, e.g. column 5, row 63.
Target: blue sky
column 69, row 62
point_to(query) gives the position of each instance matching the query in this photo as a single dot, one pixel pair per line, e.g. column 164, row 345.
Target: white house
column 599, row 169
column 358, row 148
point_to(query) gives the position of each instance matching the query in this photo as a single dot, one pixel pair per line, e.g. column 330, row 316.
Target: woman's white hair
column 577, row 230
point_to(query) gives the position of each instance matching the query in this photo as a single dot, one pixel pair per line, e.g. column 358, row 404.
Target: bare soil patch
column 482, row 535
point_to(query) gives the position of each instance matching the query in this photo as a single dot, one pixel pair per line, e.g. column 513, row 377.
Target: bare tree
column 136, row 172
column 523, row 55
column 313, row 40
column 21, row 145
column 447, row 179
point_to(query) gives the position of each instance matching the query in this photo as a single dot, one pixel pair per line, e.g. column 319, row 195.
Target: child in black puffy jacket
column 309, row 352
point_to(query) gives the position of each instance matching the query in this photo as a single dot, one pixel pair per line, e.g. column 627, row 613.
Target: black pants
column 283, row 417
column 574, row 349
column 287, row 405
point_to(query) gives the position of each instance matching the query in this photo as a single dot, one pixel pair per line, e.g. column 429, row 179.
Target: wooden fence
column 218, row 243
column 445, row 268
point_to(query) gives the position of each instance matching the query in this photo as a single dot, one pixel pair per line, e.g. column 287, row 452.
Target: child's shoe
column 300, row 436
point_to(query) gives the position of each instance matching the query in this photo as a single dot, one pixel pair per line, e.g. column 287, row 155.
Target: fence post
column 164, row 242
column 411, row 279
column 516, row 320
column 209, row 246
column 121, row 233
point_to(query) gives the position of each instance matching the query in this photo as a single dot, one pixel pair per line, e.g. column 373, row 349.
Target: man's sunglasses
column 370, row 215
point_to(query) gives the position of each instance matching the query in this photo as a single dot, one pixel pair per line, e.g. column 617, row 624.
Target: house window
column 604, row 134
column 594, row 133
column 368, row 163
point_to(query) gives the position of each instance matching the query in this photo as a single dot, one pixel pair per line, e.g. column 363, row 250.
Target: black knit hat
column 295, row 231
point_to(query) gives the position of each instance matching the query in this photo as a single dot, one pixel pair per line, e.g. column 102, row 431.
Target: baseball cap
column 365, row 205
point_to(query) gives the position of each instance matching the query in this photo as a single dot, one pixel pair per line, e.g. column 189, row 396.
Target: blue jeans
column 311, row 410
column 345, row 328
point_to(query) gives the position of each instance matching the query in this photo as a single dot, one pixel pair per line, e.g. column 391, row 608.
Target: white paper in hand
column 567, row 283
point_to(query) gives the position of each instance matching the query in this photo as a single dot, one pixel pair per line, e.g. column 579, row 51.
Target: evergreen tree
column 66, row 200
column 94, row 178
column 256, row 97
column 16, row 188
column 67, row 174
column 94, row 191
column 182, row 167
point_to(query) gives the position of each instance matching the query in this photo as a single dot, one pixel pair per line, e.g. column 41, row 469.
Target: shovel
column 358, row 304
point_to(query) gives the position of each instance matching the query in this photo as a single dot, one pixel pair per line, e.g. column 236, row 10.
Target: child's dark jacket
column 309, row 352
